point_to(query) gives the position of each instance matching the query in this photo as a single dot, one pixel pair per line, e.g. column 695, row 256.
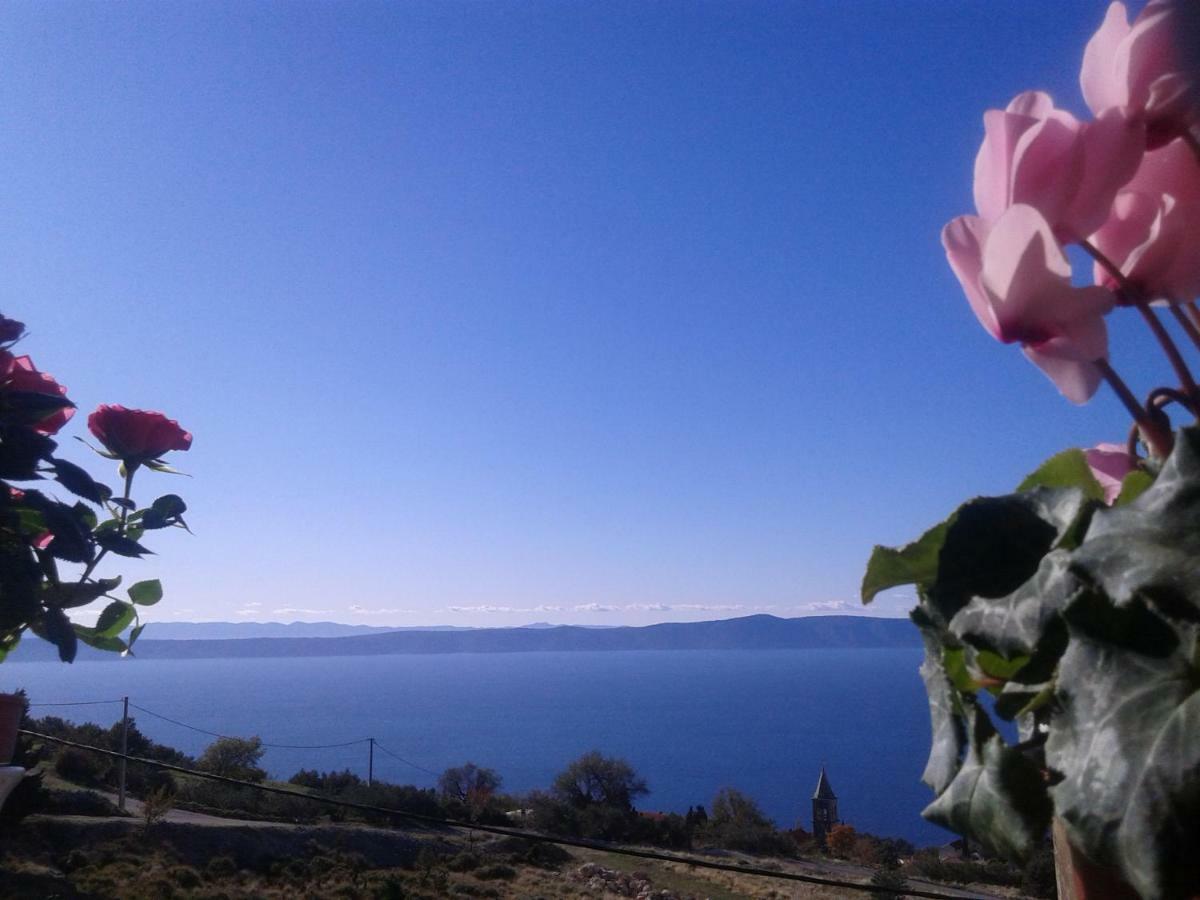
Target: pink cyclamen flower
column 1151, row 67
column 1068, row 170
column 1018, row 282
column 1110, row 463
column 18, row 373
column 1150, row 234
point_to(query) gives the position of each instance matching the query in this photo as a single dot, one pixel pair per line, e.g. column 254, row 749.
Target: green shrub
column 221, row 867
column 464, row 862
column 496, row 871
column 80, row 766
column 79, row 803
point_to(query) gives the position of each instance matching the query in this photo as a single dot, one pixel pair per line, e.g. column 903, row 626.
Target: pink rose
column 1151, row 231
column 18, row 373
column 1018, row 282
column 1110, row 463
column 136, row 435
column 1150, row 68
column 1069, row 171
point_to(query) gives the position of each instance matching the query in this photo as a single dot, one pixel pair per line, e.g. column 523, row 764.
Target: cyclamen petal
column 1069, row 360
column 1018, row 282
column 1110, row 463
column 1150, row 68
column 1097, row 78
column 1044, row 157
column 963, row 239
column 1112, row 147
column 1150, row 232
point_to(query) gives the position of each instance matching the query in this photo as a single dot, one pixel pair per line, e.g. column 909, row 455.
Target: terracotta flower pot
column 11, row 707
column 1081, row 879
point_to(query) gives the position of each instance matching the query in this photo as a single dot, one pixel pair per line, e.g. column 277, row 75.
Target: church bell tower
column 825, row 812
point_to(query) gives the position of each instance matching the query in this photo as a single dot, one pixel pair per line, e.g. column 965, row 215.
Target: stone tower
column 825, row 814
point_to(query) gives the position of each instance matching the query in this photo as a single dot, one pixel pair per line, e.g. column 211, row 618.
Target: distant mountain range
column 190, row 631
column 760, row 632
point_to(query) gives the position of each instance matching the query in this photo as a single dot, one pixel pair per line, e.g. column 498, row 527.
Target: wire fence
column 534, row 836
column 266, row 744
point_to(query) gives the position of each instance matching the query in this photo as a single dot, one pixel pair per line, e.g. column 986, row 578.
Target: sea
column 689, row 722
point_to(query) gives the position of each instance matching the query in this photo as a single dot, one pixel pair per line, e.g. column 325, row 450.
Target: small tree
column 737, row 823
column 841, row 840
column 597, row 780
column 234, row 758
column 469, row 784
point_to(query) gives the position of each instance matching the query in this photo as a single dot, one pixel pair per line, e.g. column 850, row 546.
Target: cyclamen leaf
column 1015, row 624
column 1150, row 546
column 998, row 796
column 1068, row 469
column 1126, row 744
column 995, row 544
column 1133, row 486
column 915, row 563
column 948, row 735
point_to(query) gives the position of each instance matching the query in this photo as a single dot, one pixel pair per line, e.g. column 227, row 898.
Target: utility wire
column 509, row 832
column 379, row 746
column 229, row 737
column 79, row 703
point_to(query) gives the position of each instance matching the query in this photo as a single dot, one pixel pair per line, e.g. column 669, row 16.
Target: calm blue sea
column 689, row 722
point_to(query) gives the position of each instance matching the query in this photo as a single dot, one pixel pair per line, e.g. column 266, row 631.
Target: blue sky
column 486, row 313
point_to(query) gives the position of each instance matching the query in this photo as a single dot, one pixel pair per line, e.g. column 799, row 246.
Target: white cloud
column 829, row 606
column 702, row 607
column 596, row 608
column 649, row 607
column 381, row 611
column 293, row 610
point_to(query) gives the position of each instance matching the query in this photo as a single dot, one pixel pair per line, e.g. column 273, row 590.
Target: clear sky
column 488, row 313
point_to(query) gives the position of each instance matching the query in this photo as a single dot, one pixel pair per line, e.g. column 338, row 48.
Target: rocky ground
column 193, row 855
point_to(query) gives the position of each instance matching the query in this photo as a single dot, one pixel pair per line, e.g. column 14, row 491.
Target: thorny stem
column 91, row 567
column 1157, row 438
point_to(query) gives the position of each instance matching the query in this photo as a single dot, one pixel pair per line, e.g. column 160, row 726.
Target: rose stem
column 1158, row 442
column 91, row 567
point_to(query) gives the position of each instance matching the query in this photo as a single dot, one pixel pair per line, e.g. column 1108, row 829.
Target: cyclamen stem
column 1129, row 292
column 1187, row 323
column 1168, row 344
column 1191, row 141
column 1192, row 312
column 1157, row 438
